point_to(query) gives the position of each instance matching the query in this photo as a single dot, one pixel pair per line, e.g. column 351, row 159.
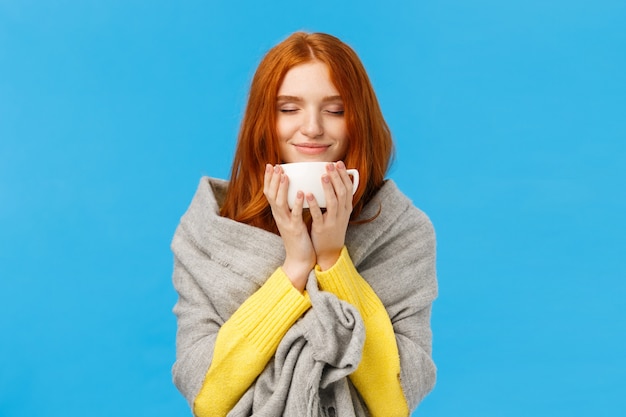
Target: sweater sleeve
column 377, row 377
column 247, row 341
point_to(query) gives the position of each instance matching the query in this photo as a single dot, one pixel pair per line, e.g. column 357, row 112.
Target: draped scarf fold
column 312, row 363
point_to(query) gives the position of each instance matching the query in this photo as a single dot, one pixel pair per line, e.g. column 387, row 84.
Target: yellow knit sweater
column 248, row 340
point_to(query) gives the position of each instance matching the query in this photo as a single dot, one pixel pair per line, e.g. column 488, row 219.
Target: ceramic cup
column 307, row 177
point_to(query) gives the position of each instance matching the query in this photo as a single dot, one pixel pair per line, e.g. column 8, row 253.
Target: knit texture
column 377, row 376
column 220, row 264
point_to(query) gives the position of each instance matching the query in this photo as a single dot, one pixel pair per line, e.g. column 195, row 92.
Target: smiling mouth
column 312, row 149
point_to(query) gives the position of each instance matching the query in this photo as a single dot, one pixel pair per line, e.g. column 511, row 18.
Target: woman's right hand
column 300, row 255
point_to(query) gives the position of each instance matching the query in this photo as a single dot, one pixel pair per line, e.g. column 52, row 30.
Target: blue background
column 509, row 118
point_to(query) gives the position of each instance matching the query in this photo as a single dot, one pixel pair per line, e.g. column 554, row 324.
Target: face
column 310, row 120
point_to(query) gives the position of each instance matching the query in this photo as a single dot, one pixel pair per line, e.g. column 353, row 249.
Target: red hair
column 370, row 146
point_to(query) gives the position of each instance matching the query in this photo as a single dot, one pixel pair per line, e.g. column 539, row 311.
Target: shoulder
column 205, row 203
column 393, row 206
column 210, row 192
column 202, row 212
column 396, row 251
column 390, row 223
column 238, row 246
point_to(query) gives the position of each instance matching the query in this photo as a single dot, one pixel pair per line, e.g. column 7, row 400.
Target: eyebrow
column 300, row 99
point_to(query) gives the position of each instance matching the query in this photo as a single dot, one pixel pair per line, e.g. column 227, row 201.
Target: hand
column 300, row 256
column 328, row 231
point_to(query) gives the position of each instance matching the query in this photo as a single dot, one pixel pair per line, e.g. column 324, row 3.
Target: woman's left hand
column 328, row 231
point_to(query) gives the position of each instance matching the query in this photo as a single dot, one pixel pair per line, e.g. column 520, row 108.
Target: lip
column 311, row 148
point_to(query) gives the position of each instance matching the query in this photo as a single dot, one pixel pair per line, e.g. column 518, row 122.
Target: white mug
column 307, row 177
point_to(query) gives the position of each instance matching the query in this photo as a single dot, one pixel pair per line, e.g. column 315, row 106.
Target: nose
column 312, row 125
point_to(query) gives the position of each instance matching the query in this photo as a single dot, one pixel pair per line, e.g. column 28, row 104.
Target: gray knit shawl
column 219, row 263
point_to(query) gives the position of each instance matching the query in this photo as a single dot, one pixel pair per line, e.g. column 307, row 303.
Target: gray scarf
column 219, row 263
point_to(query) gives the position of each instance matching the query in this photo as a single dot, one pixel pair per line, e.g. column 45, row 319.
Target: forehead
column 308, row 78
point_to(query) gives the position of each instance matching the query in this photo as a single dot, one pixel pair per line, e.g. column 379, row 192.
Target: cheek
column 285, row 129
column 280, row 129
column 345, row 133
column 341, row 133
column 344, row 141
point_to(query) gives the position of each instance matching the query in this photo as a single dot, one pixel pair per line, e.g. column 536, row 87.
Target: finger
column 343, row 174
column 267, row 178
column 283, row 187
column 315, row 210
column 272, row 194
column 329, row 193
column 275, row 182
column 296, row 211
column 347, row 182
column 339, row 188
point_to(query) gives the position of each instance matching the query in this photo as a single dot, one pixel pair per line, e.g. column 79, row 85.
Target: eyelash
column 333, row 113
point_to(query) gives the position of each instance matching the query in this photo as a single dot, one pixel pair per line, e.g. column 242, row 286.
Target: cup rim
column 309, row 162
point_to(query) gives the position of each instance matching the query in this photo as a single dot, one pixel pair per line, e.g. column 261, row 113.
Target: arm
column 235, row 352
column 396, row 269
column 246, row 343
column 401, row 269
column 377, row 377
column 219, row 359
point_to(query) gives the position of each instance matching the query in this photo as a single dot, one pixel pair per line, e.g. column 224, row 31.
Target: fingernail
column 341, row 165
column 325, row 178
column 277, row 169
column 268, row 168
column 331, row 167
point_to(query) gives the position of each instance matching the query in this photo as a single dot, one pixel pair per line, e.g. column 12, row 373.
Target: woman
column 296, row 312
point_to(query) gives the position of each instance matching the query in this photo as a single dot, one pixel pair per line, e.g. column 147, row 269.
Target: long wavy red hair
column 370, row 146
